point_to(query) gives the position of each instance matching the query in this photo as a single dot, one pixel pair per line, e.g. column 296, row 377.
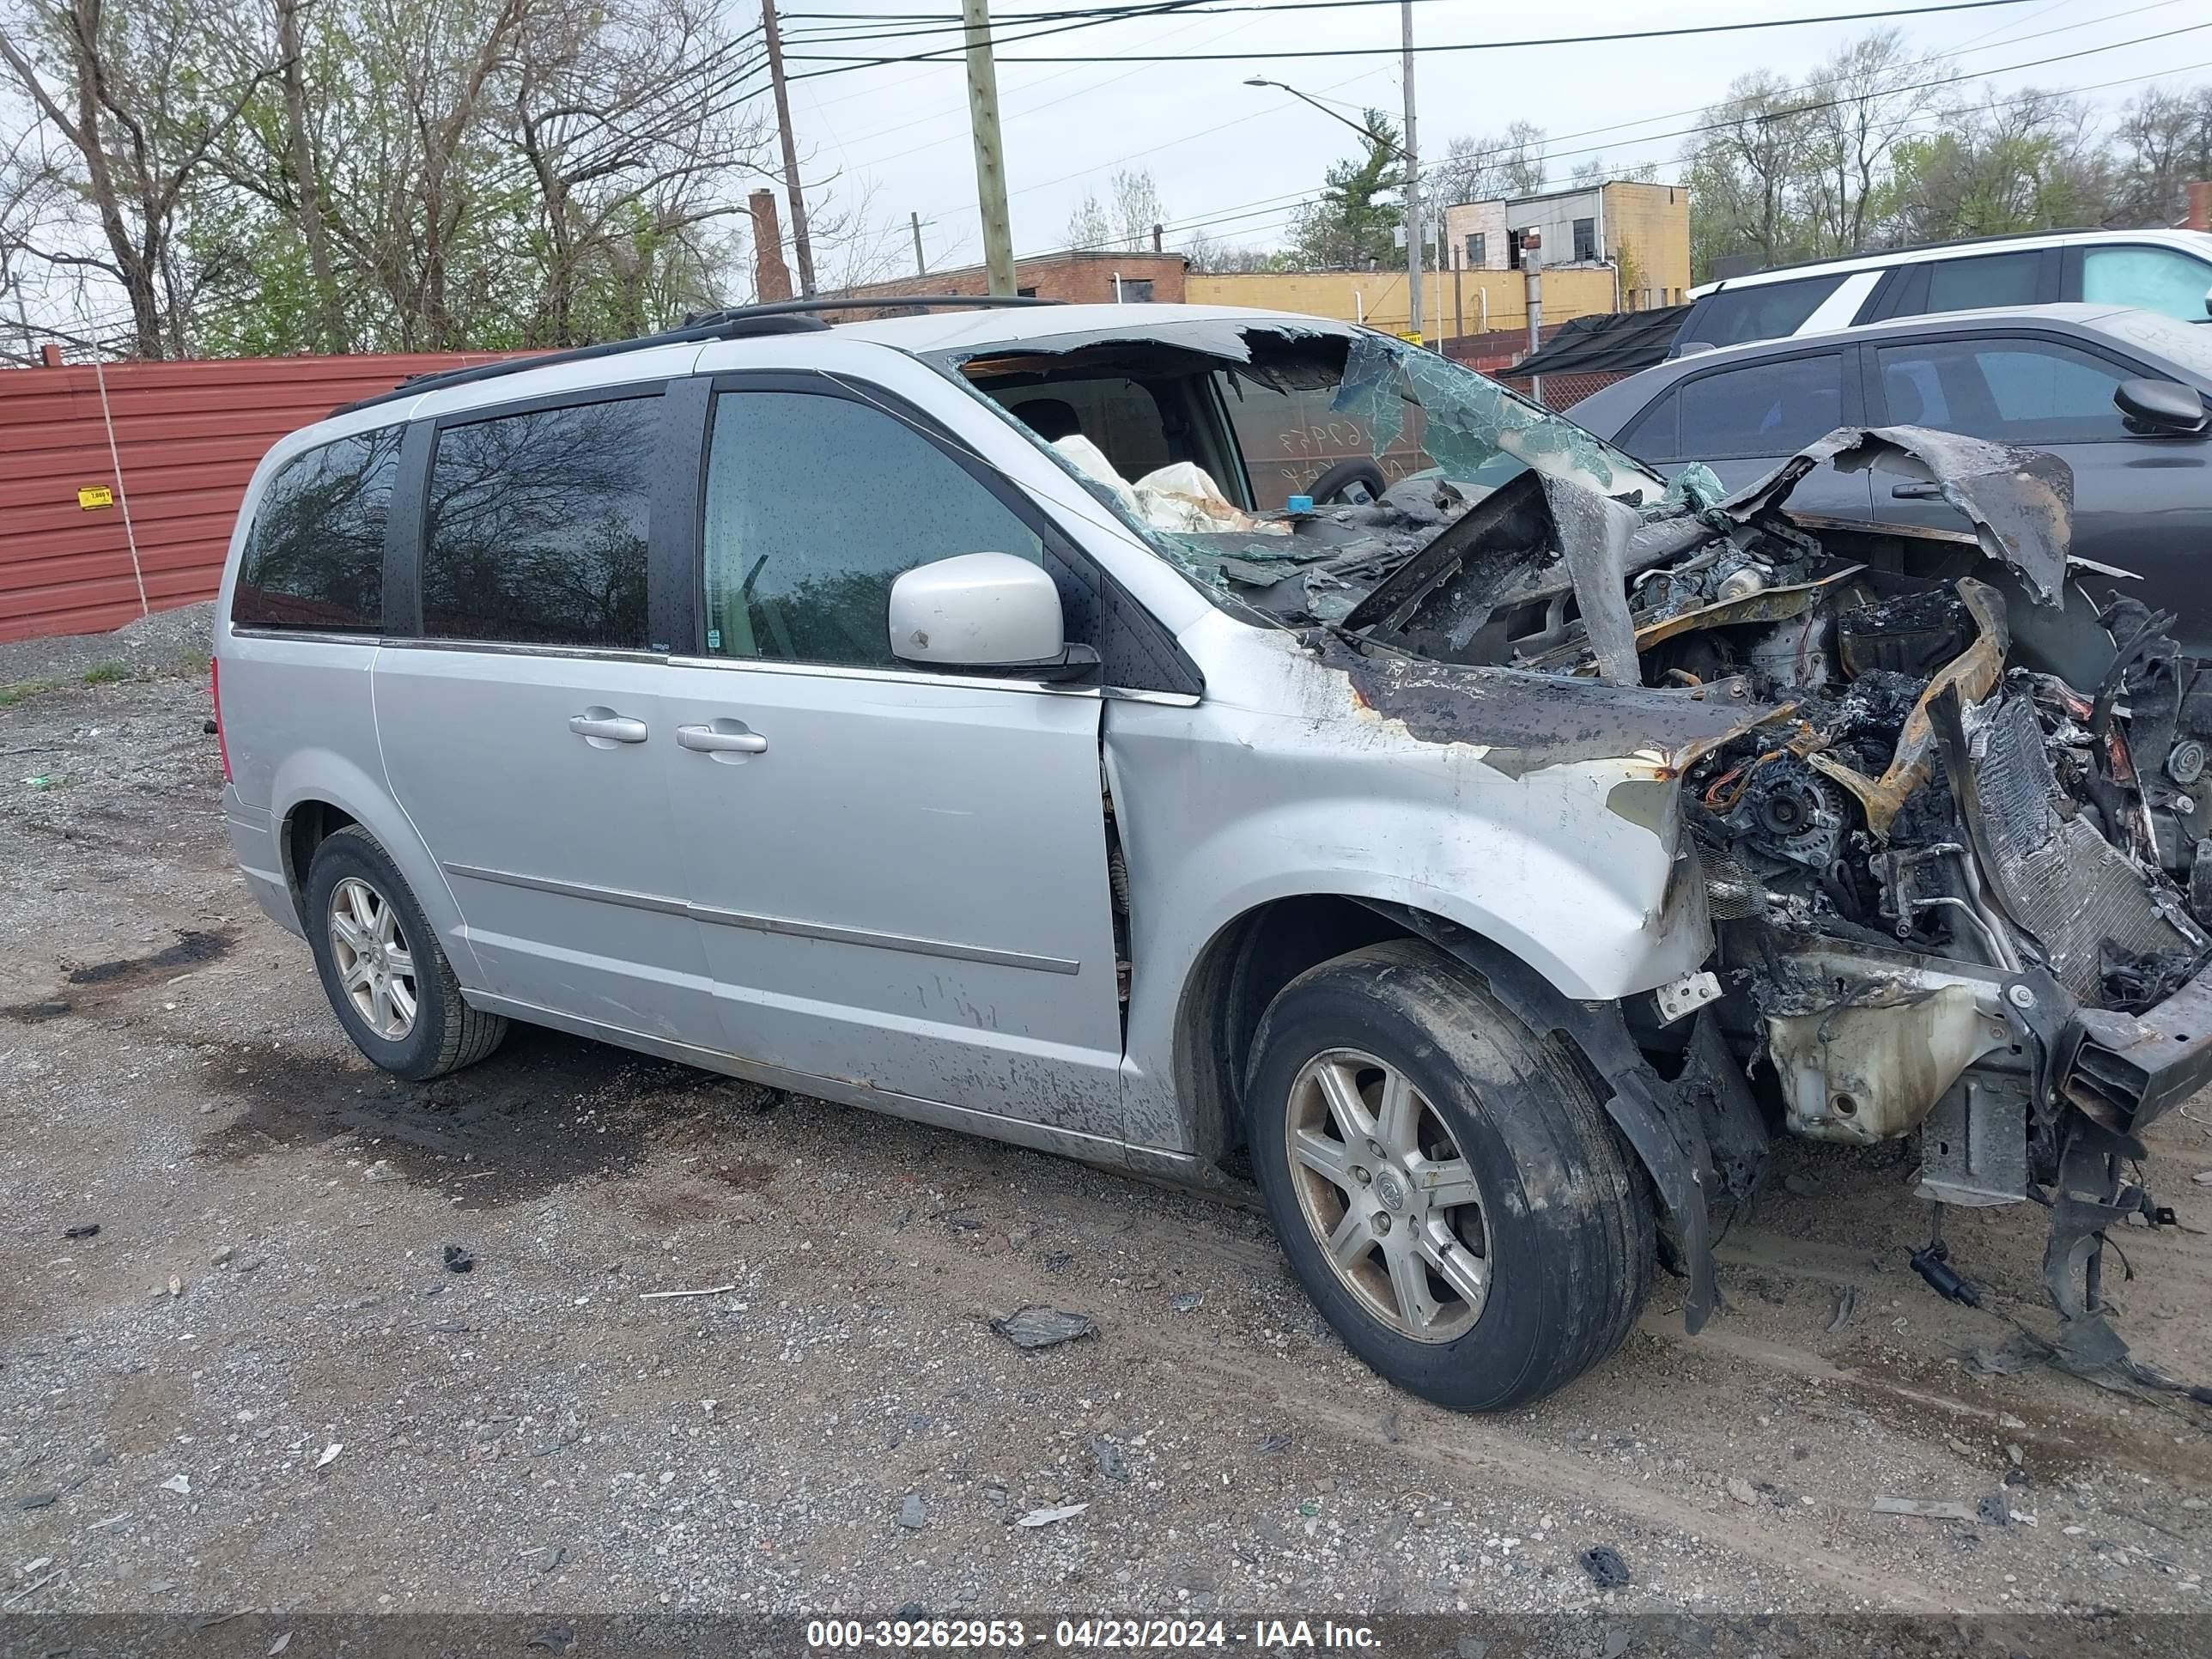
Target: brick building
column 1080, row 278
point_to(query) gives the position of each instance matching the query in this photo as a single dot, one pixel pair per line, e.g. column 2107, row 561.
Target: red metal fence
column 119, row 484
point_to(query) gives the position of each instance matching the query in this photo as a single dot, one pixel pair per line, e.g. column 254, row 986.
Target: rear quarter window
column 1760, row 311
column 314, row 556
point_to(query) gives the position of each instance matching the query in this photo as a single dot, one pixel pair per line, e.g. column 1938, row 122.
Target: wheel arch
column 318, row 793
column 1248, row 960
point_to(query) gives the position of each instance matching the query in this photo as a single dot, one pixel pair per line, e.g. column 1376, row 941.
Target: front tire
column 1445, row 1181
column 381, row 966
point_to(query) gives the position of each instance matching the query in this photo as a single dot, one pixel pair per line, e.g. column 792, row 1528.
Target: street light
column 1407, row 153
column 1363, row 129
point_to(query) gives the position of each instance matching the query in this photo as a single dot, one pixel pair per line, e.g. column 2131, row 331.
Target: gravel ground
column 256, row 1387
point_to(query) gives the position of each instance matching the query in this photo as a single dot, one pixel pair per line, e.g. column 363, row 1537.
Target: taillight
column 215, row 690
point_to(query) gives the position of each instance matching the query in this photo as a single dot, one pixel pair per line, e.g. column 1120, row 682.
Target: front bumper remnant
column 2128, row 1069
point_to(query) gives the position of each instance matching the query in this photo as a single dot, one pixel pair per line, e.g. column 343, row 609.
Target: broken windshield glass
column 1294, row 468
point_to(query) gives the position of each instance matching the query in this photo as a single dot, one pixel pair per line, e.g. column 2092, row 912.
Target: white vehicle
column 2162, row 271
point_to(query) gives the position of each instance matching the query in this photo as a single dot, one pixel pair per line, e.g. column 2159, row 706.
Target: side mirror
column 983, row 611
column 2156, row 406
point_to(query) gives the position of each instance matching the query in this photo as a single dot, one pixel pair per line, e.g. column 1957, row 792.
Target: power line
column 1264, row 207
column 1803, row 109
column 1889, row 15
column 1504, row 149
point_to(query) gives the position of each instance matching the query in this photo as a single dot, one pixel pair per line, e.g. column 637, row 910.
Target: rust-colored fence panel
column 119, row 484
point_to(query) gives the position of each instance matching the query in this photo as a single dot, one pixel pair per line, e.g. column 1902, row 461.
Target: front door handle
column 1917, row 492
column 605, row 726
column 709, row 741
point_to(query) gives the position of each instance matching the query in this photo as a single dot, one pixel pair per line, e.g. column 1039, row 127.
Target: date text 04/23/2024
column 1259, row 1635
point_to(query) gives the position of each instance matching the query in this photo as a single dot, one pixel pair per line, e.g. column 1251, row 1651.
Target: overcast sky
column 1237, row 155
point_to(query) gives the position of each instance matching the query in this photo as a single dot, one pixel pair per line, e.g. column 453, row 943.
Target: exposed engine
column 1941, row 805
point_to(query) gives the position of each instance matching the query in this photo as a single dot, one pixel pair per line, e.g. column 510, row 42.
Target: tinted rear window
column 1991, row 279
column 1763, row 310
column 315, row 558
column 538, row 523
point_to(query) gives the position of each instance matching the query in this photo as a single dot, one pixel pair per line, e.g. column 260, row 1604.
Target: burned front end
column 1949, row 854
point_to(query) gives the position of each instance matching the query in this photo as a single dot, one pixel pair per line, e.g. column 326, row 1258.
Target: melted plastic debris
column 1040, row 1327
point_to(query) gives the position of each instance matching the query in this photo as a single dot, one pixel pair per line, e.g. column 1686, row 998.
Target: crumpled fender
column 2020, row 501
column 1665, row 1130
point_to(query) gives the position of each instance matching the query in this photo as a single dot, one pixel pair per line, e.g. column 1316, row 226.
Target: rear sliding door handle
column 709, row 741
column 605, row 726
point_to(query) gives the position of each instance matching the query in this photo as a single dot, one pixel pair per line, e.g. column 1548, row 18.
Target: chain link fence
column 1562, row 391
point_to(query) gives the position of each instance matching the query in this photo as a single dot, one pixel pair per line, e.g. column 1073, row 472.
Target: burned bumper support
column 2128, row 1069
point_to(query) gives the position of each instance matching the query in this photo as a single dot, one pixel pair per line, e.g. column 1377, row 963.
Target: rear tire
column 1421, row 1148
column 386, row 976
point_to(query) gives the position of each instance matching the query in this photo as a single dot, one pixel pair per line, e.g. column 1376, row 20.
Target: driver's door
column 899, row 876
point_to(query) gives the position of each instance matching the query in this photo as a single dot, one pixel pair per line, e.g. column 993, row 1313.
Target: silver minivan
column 1161, row 734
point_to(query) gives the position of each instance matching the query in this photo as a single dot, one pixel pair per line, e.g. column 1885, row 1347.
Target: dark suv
column 2118, row 394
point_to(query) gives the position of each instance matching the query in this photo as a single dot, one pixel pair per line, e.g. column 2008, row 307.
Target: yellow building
column 1636, row 233
column 1452, row 303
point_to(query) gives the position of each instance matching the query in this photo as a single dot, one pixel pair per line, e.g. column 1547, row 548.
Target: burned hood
column 1526, row 722
column 2018, row 502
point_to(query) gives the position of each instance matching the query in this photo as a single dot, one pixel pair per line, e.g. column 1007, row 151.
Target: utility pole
column 1412, row 185
column 1532, row 271
column 990, row 156
column 920, row 264
column 800, row 242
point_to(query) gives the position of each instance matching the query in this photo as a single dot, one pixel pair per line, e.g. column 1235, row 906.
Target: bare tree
column 140, row 95
column 1747, row 171
column 1491, row 167
column 1868, row 98
column 299, row 160
column 1124, row 220
column 2165, row 139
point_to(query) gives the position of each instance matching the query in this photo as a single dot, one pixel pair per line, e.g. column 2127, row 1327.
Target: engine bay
column 1950, row 857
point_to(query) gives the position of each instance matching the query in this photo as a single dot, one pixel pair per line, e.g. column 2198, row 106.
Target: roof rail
column 871, row 302
column 1879, row 253
column 735, row 323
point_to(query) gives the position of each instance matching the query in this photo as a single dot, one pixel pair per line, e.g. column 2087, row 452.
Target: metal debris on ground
column 458, row 1261
column 1275, row 1443
column 1046, row 1518
column 1847, row 1299
column 330, row 1454
column 90, row 1230
column 1187, row 1301
column 2013, row 1358
column 1926, row 1509
column 913, row 1512
column 1040, row 1327
column 1111, row 1463
column 41, row 1500
column 1605, row 1567
column 663, row 1296
column 179, row 1484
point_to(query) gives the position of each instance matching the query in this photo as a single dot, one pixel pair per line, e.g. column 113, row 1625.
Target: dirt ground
column 257, row 1387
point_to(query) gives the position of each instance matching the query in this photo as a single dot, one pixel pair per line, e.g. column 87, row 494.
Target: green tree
column 1351, row 226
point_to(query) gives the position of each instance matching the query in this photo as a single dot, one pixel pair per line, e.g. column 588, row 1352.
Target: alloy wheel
column 1391, row 1200
column 376, row 970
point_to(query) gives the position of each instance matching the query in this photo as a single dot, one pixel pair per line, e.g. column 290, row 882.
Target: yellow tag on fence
column 90, row 496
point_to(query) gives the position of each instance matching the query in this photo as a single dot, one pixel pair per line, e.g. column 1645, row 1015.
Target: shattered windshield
column 1291, row 469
